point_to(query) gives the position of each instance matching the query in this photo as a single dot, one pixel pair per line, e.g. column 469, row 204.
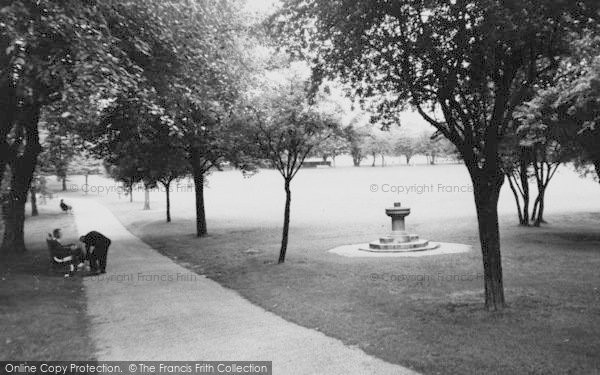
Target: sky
column 411, row 121
column 261, row 6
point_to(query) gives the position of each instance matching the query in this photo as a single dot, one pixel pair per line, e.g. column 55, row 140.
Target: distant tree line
column 367, row 140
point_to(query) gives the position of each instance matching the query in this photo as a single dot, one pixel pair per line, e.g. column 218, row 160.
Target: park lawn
column 42, row 314
column 434, row 325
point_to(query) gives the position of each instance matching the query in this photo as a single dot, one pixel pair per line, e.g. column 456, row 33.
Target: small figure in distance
column 65, row 207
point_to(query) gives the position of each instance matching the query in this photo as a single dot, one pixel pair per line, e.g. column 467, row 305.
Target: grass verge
column 435, row 325
column 42, row 314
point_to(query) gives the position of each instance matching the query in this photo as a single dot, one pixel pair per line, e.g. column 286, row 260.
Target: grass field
column 42, row 314
column 425, row 312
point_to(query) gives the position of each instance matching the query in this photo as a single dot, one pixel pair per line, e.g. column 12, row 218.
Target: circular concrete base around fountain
column 400, row 242
column 418, row 245
column 359, row 251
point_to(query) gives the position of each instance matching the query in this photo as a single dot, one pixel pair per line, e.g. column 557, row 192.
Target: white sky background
column 261, row 6
column 411, row 121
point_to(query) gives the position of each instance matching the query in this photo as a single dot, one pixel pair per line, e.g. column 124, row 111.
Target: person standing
column 97, row 255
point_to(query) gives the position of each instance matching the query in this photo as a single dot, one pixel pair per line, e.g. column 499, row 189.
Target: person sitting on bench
column 69, row 254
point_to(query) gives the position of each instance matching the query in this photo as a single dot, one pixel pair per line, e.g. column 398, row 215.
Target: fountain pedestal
column 399, row 240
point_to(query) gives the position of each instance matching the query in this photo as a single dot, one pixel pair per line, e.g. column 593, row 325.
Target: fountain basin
column 399, row 240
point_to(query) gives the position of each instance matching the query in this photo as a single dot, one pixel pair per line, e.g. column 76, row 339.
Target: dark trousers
column 98, row 258
column 77, row 257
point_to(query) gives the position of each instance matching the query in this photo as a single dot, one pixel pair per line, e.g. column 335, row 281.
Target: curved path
column 137, row 316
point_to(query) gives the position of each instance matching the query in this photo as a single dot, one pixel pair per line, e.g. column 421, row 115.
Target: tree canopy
column 464, row 65
column 280, row 124
column 59, row 51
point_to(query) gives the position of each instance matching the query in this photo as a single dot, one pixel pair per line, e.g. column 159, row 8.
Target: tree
column 434, row 146
column 516, row 161
column 147, row 187
column 329, row 100
column 356, row 135
column 552, row 125
column 428, row 147
column 331, row 148
column 205, row 143
column 33, row 189
column 577, row 109
column 547, row 162
column 540, row 150
column 137, row 139
column 406, row 145
column 463, row 65
column 211, row 42
column 85, row 164
column 127, row 173
column 59, row 148
column 569, row 110
column 168, row 164
column 120, row 141
column 285, row 129
column 191, row 71
column 447, row 149
column 377, row 144
column 57, row 51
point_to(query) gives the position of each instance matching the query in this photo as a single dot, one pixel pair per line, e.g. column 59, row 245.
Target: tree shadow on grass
column 582, row 236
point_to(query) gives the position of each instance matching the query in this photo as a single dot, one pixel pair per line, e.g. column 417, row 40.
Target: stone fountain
column 399, row 240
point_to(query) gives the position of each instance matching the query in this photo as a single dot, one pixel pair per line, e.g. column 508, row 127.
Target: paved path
column 190, row 317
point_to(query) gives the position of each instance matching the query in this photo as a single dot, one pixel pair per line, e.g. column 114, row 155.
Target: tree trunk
column 536, row 204
column 201, row 229
column 86, row 182
column 357, row 156
column 286, row 222
column 487, row 191
column 597, row 168
column 8, row 113
column 525, row 186
column 34, row 208
column 167, row 187
column 374, row 159
column 539, row 177
column 131, row 193
column 516, row 196
column 14, row 224
column 22, row 169
column 539, row 215
column 382, row 160
column 407, row 159
column 64, row 183
column 146, row 198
